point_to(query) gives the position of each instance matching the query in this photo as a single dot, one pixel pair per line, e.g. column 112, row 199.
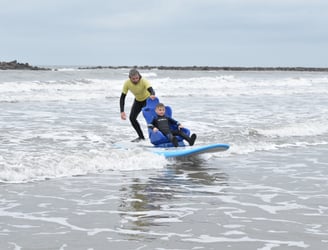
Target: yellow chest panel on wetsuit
column 139, row 90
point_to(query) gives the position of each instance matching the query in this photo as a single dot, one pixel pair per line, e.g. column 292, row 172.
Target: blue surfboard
column 172, row 152
column 175, row 152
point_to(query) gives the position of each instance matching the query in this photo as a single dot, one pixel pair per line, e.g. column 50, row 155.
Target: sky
column 245, row 33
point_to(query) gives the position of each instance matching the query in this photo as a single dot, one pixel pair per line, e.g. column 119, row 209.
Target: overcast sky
column 165, row 32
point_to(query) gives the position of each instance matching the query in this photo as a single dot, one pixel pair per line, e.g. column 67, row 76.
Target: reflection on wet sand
column 145, row 201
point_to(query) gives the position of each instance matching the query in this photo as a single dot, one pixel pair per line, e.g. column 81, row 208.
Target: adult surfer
column 141, row 89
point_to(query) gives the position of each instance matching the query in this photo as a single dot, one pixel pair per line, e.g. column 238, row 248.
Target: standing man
column 141, row 89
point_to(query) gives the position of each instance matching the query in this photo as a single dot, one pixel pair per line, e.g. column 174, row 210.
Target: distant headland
column 19, row 66
column 14, row 65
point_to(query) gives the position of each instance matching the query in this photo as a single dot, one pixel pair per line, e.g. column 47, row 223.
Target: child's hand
column 180, row 126
column 155, row 130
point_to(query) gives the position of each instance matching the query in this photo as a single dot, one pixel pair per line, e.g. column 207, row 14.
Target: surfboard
column 172, row 152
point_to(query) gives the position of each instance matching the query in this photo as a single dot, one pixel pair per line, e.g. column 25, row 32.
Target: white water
column 64, row 123
column 268, row 191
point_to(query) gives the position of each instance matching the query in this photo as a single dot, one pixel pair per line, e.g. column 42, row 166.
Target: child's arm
column 175, row 122
column 152, row 126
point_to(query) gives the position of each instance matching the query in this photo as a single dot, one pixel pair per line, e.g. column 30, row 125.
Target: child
column 162, row 123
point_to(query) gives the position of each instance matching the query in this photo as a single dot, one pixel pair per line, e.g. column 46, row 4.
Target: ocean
column 64, row 183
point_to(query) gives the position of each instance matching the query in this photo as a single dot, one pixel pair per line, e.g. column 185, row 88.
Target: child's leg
column 190, row 140
column 173, row 139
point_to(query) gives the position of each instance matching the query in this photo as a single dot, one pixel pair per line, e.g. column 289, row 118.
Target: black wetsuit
column 135, row 111
column 163, row 124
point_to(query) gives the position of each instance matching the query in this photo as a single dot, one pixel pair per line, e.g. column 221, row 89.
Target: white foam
column 63, row 90
column 308, row 128
column 229, row 85
column 213, row 239
column 26, row 167
column 61, row 123
column 218, row 85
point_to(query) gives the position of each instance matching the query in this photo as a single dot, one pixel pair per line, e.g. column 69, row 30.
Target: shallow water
column 65, row 185
column 270, row 200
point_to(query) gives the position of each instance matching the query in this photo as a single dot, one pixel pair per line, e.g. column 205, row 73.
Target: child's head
column 160, row 109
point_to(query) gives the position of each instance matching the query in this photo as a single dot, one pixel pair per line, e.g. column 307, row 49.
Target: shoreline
column 213, row 68
column 14, row 65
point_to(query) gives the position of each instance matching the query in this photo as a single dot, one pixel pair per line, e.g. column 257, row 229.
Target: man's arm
column 122, row 102
column 151, row 91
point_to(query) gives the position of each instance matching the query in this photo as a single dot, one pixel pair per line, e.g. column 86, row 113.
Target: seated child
column 164, row 124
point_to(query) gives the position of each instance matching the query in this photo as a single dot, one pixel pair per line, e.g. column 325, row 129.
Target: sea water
column 64, row 183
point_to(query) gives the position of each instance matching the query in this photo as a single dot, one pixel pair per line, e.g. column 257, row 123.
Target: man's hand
column 123, row 116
